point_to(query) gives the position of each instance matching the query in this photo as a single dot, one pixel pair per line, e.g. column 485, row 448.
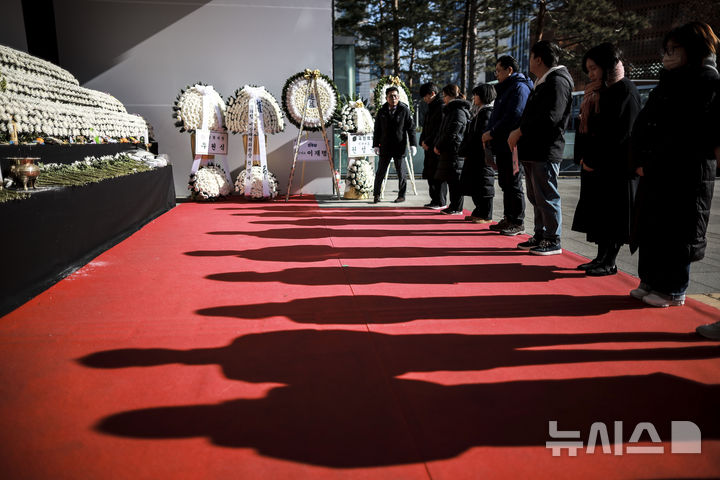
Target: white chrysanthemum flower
column 210, row 182
column 360, row 177
column 238, row 107
column 256, row 183
column 190, row 108
column 297, row 94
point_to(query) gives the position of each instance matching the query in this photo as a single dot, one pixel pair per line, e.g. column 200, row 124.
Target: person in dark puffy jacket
column 674, row 143
column 455, row 119
column 602, row 147
column 431, row 124
column 477, row 179
column 513, row 89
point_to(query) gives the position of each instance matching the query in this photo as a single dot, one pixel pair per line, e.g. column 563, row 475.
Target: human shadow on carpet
column 360, row 309
column 342, row 405
column 319, row 253
column 411, row 274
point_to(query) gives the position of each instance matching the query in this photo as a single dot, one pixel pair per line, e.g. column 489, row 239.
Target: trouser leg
column 511, row 185
column 383, row 165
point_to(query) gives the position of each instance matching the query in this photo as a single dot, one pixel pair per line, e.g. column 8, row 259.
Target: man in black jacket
column 394, row 126
column 431, row 126
column 540, row 144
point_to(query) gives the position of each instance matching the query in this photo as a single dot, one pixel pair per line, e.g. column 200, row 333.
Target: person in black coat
column 607, row 185
column 455, row 119
column 540, row 143
column 477, row 179
column 436, row 188
column 394, row 127
column 674, row 144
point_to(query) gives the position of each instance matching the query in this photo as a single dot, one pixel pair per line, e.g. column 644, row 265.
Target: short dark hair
column 605, row 56
column 548, row 52
column 485, row 92
column 391, row 89
column 427, row 88
column 697, row 38
column 506, row 61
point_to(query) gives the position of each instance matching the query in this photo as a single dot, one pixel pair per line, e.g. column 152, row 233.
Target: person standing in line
column 513, row 89
column 431, row 125
column 674, row 143
column 455, row 119
column 540, row 142
column 394, row 127
column 478, row 176
column 602, row 147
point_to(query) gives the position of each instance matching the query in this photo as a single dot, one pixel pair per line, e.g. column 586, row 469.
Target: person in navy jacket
column 513, row 89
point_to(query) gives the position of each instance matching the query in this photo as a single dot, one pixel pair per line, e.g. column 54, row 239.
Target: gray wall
column 12, row 25
column 144, row 51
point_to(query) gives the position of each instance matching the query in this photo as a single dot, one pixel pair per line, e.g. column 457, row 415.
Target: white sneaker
column 656, row 300
column 639, row 293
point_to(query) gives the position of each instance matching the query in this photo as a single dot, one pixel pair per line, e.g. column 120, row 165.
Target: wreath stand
column 408, row 159
column 311, row 78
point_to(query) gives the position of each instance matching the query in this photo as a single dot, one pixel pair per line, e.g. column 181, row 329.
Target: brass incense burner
column 24, row 170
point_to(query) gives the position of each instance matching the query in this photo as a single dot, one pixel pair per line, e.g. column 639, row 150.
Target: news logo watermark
column 685, row 437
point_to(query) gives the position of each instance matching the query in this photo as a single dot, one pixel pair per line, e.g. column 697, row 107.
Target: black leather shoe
column 601, row 270
column 376, row 200
column 588, row 265
column 399, row 199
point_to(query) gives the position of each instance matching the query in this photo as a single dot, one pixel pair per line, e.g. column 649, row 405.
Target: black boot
column 602, row 249
column 607, row 264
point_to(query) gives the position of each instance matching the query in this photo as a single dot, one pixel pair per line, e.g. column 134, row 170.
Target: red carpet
column 287, row 341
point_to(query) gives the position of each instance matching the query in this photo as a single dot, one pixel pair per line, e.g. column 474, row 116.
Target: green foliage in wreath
column 387, row 81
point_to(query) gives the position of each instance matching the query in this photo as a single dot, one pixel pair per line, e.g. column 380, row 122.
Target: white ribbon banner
column 256, row 125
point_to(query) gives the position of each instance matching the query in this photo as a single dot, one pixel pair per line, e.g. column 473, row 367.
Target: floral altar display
column 42, row 102
column 354, row 117
column 252, row 110
column 257, row 186
column 380, row 92
column 310, row 100
column 210, row 182
column 360, row 179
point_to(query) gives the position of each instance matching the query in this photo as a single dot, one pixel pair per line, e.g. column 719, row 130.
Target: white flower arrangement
column 380, row 92
column 360, row 179
column 256, row 182
column 39, row 99
column 295, row 93
column 188, row 108
column 10, row 57
column 238, row 105
column 209, row 183
column 354, row 117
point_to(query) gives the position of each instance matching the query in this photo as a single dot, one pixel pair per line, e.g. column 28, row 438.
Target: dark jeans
column 542, row 191
column 510, row 183
column 456, row 194
column 663, row 267
column 383, row 165
column 438, row 191
column 483, row 207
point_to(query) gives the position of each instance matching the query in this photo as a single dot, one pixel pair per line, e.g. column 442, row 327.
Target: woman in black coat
column 674, row 144
column 607, row 186
column 455, row 119
column 477, row 179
